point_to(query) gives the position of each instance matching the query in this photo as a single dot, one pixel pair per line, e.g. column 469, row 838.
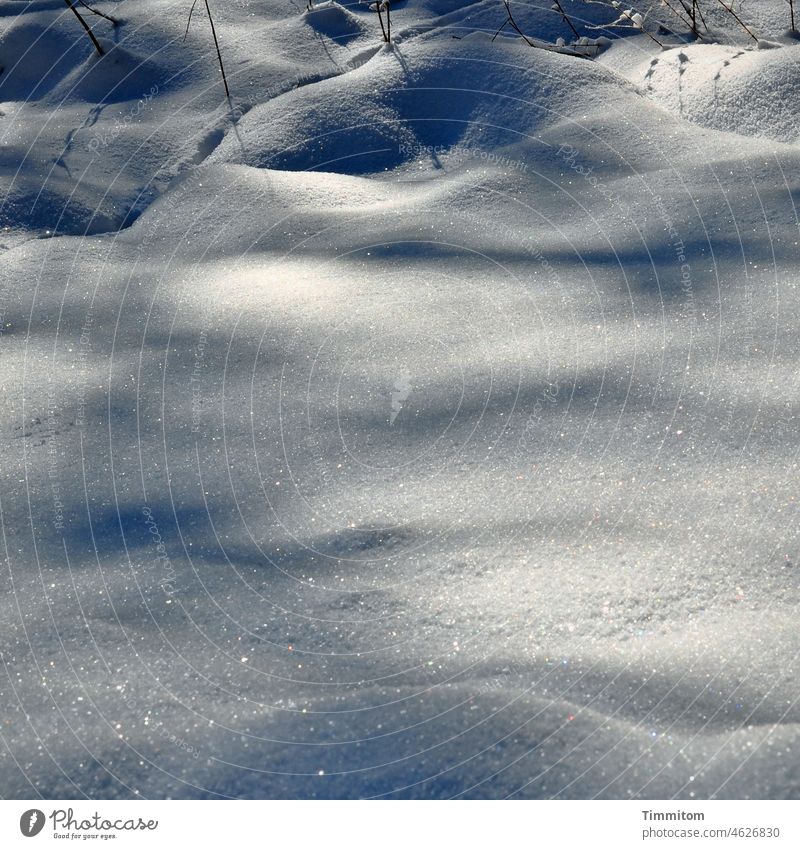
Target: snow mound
column 58, row 207
column 335, row 22
column 465, row 486
column 418, row 101
column 35, row 58
column 118, row 76
column 751, row 92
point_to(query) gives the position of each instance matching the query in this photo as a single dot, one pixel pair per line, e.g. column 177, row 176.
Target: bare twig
column 701, row 16
column 188, row 23
column 382, row 6
column 219, row 52
column 502, row 27
column 216, row 43
column 509, row 21
column 114, row 21
column 514, row 23
column 95, row 42
column 687, row 7
column 694, row 13
column 738, row 20
column 567, row 21
column 380, row 18
column 691, row 15
column 641, row 27
column 623, row 13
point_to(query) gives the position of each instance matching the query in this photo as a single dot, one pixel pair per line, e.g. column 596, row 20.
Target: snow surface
column 421, row 423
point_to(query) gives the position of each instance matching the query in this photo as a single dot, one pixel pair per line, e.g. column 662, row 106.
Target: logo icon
column 31, row 822
column 402, row 389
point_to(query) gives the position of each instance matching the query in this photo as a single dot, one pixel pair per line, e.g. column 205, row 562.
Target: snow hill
column 421, row 422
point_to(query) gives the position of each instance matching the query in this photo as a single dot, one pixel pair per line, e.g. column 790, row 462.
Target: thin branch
column 568, row 22
column 504, row 25
column 96, row 12
column 95, row 42
column 188, row 23
column 641, row 27
column 514, row 23
column 219, row 52
column 701, row 16
column 690, row 10
column 510, row 20
column 741, row 23
column 694, row 12
column 690, row 19
column 380, row 18
column 616, row 24
column 216, row 43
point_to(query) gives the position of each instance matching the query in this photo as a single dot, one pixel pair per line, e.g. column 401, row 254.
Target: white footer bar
column 402, row 824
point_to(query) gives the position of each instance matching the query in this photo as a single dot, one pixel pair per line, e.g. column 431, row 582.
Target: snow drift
column 429, row 430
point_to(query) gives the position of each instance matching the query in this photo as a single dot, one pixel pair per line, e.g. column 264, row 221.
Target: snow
column 421, row 423
column 750, row 92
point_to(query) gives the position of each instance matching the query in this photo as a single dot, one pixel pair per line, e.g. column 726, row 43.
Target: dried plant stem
column 379, row 7
column 691, row 14
column 95, row 42
column 114, row 21
column 514, row 23
column 219, row 52
column 216, row 43
column 567, row 21
column 699, row 12
column 641, row 27
column 742, row 24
